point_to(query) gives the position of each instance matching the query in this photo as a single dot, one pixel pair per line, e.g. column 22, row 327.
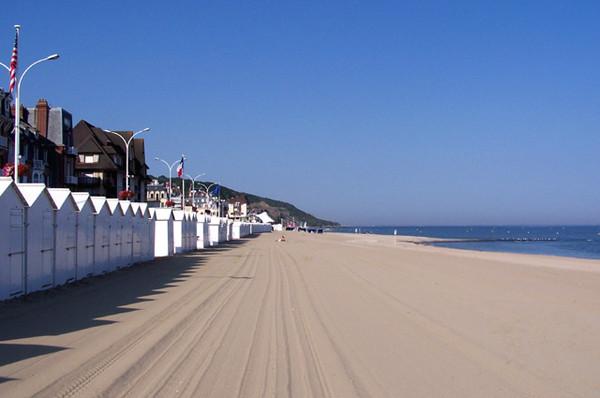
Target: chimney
column 41, row 117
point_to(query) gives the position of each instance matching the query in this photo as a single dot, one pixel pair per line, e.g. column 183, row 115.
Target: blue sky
column 372, row 113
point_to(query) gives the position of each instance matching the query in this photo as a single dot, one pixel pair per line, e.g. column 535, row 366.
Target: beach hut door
column 16, row 253
column 105, row 264
column 71, row 247
column 137, row 240
column 89, row 243
column 47, row 245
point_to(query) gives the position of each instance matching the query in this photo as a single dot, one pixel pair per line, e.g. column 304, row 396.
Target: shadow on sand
column 78, row 306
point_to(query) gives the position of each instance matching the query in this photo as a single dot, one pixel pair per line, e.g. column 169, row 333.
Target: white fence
column 54, row 236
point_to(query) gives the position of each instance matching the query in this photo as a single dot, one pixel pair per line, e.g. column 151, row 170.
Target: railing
column 85, row 180
column 71, row 180
column 39, row 164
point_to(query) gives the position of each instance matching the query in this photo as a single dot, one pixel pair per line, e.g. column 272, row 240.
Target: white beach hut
column 102, row 217
column 163, row 231
column 240, row 230
column 137, row 232
column 40, row 213
column 178, row 217
column 202, row 222
column 223, row 229
column 65, row 249
column 185, row 232
column 116, row 234
column 12, row 240
column 213, row 231
column 229, row 229
column 147, row 233
column 191, row 227
column 85, row 234
column 127, row 235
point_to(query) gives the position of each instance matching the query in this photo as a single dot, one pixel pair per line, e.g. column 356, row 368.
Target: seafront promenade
column 330, row 315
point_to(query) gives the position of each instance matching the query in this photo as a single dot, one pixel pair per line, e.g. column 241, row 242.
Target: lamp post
column 127, row 142
column 194, row 184
column 170, row 166
column 207, row 189
column 18, row 108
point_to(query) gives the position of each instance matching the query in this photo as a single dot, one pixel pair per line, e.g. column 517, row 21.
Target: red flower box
column 126, row 195
column 9, row 169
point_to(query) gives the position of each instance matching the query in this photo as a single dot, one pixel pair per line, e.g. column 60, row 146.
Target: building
column 7, row 122
column 237, row 208
column 101, row 162
column 46, row 144
column 156, row 194
column 56, row 124
column 36, row 152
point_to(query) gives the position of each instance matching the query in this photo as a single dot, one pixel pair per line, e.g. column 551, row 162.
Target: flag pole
column 182, row 184
column 14, row 78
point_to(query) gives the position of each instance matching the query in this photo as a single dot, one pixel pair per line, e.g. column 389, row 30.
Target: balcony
column 71, row 150
column 71, row 180
column 3, row 141
column 39, row 165
column 90, row 181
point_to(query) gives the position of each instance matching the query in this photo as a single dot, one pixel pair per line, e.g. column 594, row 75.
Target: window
column 89, row 158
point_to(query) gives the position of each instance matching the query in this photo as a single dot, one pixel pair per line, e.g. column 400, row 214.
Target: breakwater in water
column 565, row 241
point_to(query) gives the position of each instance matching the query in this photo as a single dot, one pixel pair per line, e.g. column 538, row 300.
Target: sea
column 564, row 241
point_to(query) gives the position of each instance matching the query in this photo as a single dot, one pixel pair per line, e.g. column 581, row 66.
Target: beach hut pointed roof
column 161, row 213
column 7, row 183
column 178, row 215
column 135, row 206
column 98, row 202
column 80, row 198
column 60, row 196
column 125, row 206
column 113, row 206
column 32, row 192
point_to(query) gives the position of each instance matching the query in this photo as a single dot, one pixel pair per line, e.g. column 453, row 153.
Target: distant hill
column 276, row 208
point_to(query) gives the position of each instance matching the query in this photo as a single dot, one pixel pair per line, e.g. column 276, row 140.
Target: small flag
column 216, row 190
column 13, row 63
column 180, row 167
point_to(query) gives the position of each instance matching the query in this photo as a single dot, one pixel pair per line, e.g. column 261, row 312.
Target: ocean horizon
column 579, row 241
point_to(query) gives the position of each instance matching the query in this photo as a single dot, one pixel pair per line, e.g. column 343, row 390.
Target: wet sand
column 331, row 315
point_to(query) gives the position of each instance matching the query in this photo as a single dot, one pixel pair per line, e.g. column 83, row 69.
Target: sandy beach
column 332, row 315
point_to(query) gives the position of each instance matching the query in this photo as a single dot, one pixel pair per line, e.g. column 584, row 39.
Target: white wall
column 52, row 237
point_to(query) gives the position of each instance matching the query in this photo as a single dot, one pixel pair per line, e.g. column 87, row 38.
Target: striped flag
column 180, row 168
column 13, row 63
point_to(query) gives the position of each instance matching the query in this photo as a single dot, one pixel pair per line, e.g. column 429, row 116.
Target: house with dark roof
column 101, row 162
column 56, row 125
column 237, row 208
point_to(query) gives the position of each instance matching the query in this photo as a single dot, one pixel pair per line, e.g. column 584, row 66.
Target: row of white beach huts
column 52, row 236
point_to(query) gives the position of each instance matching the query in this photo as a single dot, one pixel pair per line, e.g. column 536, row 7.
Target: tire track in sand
column 323, row 347
column 75, row 383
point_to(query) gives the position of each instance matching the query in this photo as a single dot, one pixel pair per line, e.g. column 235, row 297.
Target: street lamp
column 207, row 189
column 18, row 109
column 194, row 184
column 170, row 168
column 127, row 142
